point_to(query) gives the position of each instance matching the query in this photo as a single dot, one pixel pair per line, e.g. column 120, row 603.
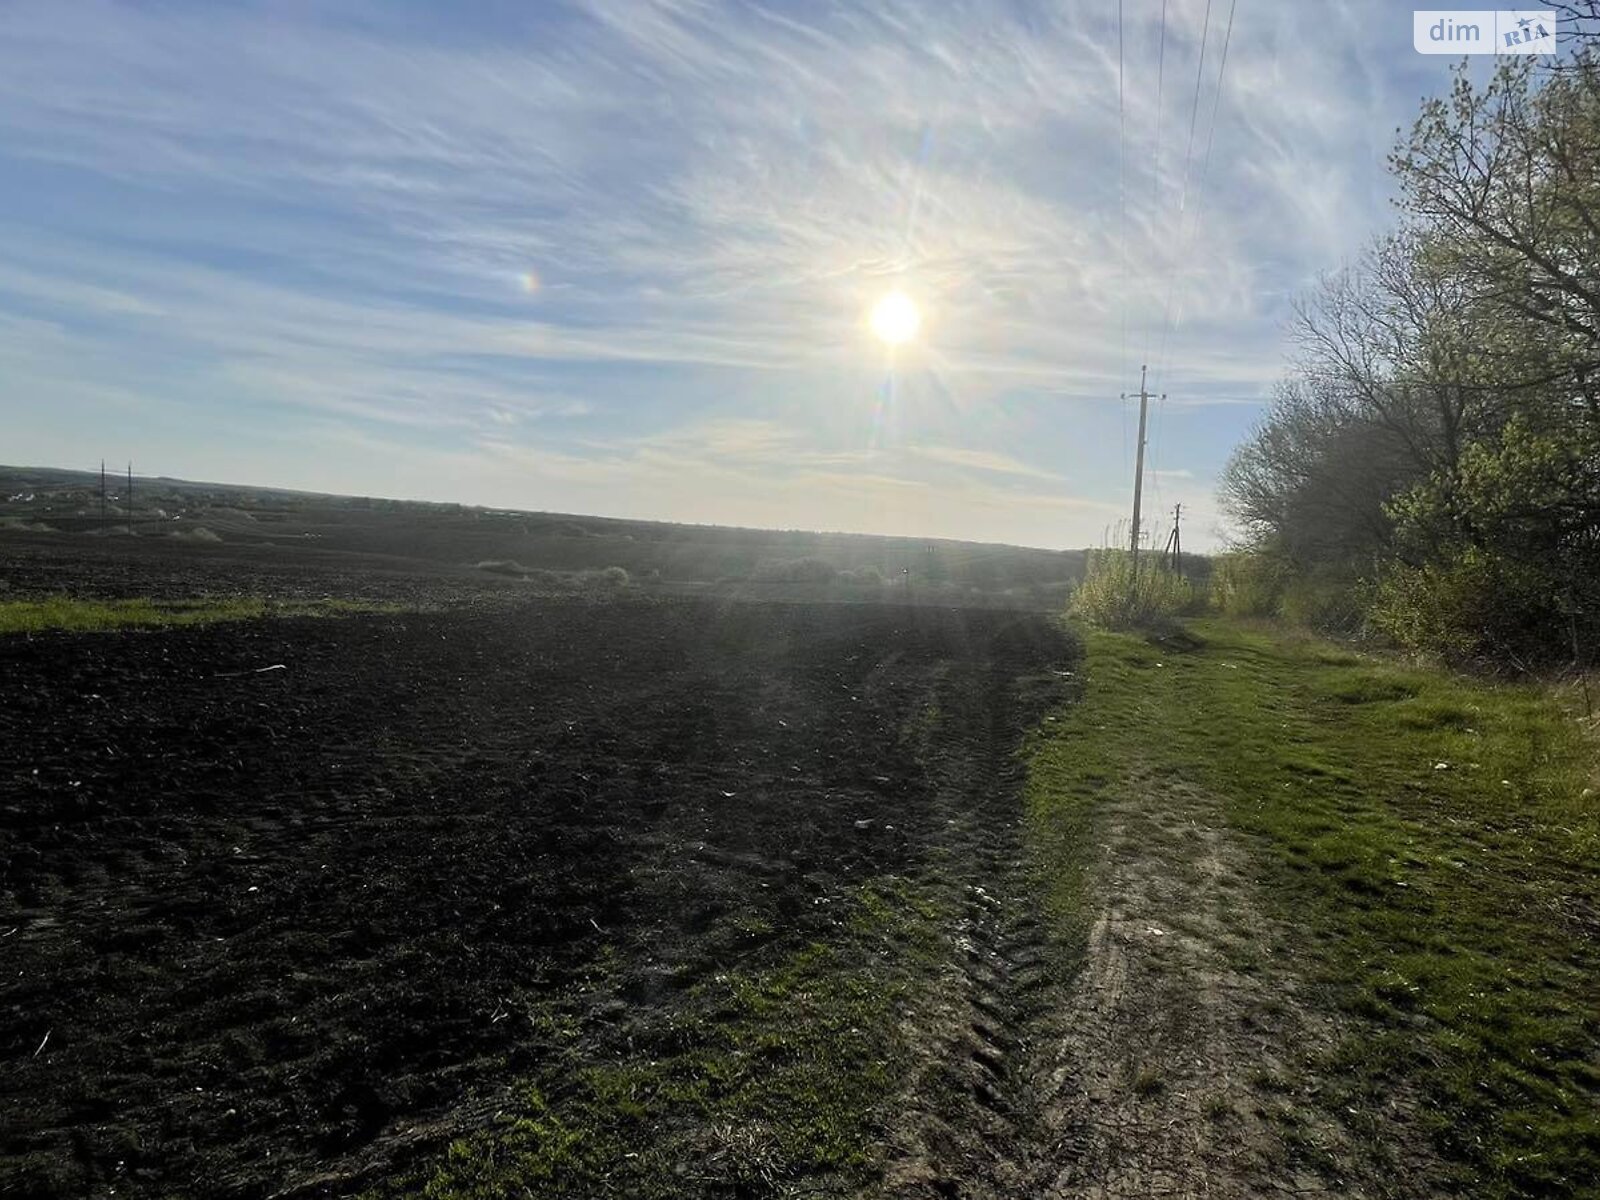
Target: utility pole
column 1175, row 540
column 102, row 496
column 130, row 497
column 1138, row 469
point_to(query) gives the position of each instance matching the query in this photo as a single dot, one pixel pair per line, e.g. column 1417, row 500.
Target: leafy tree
column 1438, row 445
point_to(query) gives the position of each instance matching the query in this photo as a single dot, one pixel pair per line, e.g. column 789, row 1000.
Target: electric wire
column 1173, row 318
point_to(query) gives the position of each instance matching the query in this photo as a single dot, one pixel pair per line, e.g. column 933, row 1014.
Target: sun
column 896, row 318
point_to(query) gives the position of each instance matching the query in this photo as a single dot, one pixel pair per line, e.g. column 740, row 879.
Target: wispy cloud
column 590, row 232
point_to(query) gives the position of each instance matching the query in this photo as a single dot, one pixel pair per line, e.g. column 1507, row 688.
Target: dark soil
column 271, row 891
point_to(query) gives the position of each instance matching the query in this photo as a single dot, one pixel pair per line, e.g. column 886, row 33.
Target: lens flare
column 895, row 319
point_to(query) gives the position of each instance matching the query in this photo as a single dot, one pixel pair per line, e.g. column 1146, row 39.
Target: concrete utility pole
column 1138, row 469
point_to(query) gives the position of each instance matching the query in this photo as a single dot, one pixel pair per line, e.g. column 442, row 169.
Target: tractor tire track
column 969, row 1109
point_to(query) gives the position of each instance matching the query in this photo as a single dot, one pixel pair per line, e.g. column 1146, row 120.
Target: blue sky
column 615, row 256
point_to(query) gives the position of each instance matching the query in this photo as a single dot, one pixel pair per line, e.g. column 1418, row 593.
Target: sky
column 617, row 256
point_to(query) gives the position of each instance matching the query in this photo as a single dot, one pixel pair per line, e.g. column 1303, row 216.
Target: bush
column 1511, row 540
column 794, row 570
column 1256, row 583
column 196, row 534
column 504, row 566
column 1325, row 599
column 1113, row 597
column 1472, row 607
column 1198, row 603
column 866, row 577
column 607, row 579
column 1248, row 584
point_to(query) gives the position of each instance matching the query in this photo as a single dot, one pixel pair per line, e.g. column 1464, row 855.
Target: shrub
column 1474, row 606
column 1246, row 583
column 794, row 570
column 608, row 577
column 195, row 533
column 866, row 577
column 1325, row 599
column 1112, row 596
column 1198, row 603
column 1511, row 539
column 604, row 579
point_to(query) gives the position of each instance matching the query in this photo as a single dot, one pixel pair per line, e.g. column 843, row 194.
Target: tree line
column 1429, row 469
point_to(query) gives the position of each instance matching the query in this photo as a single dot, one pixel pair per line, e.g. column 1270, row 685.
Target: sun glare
column 896, row 319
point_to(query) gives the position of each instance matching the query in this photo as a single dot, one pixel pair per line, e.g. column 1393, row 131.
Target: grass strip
column 764, row 1075
column 82, row 615
column 1434, row 841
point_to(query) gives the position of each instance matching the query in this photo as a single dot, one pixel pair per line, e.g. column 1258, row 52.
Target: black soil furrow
column 286, row 930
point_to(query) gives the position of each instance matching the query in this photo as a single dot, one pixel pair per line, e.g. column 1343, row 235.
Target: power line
column 1165, row 334
column 1211, row 137
column 1122, row 228
column 1194, row 111
column 1155, row 448
column 1161, row 66
column 1172, row 320
column 1180, row 241
column 1211, row 133
column 1155, row 160
column 1169, row 319
column 1216, row 102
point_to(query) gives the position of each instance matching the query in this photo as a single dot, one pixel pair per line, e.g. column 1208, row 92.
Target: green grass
column 68, row 613
column 1451, row 911
column 768, row 1074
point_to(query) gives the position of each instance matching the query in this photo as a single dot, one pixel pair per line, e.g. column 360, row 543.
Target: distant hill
column 37, row 501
